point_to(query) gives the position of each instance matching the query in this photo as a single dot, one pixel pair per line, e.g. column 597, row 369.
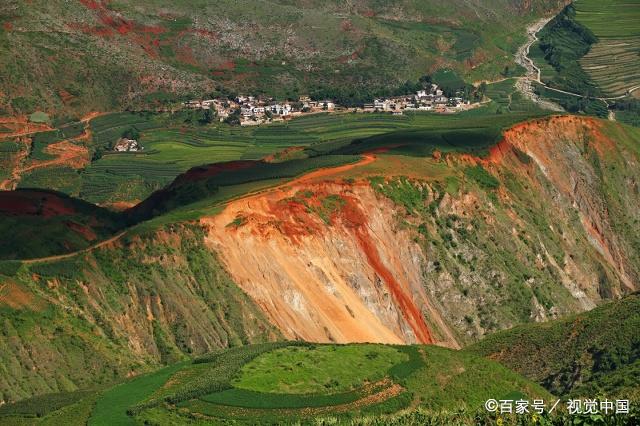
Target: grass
column 482, row 177
column 111, row 407
column 601, row 344
column 321, row 369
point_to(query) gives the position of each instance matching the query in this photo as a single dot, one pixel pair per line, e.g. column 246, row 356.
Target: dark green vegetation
column 562, row 42
column 628, row 111
column 75, row 56
column 574, row 104
column 594, row 353
column 390, row 378
column 37, row 223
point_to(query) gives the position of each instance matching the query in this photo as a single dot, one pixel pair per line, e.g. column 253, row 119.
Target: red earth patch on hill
column 17, row 203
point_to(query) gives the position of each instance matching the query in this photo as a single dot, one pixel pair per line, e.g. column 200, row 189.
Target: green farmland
column 287, row 382
column 614, row 61
column 172, row 146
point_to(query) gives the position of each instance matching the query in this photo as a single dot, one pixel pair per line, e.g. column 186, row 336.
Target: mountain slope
column 583, row 355
column 410, row 244
column 82, row 55
column 536, row 230
column 117, row 311
column 39, row 223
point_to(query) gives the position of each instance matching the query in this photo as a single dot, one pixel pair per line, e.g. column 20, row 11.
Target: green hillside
column 127, row 308
column 40, row 223
column 75, row 56
column 290, row 382
column 593, row 353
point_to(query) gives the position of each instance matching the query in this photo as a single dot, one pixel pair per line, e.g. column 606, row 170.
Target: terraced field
column 614, row 61
column 172, row 146
column 507, row 99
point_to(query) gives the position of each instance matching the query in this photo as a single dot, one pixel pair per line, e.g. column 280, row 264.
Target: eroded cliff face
column 390, row 259
column 323, row 262
column 580, row 162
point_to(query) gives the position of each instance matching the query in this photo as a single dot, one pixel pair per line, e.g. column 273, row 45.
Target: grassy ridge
column 585, row 354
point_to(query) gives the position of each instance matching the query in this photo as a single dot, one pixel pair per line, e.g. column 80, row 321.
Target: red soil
column 356, row 219
column 91, row 4
column 33, row 204
column 294, row 218
column 346, row 25
column 223, row 68
column 185, row 55
column 83, row 230
column 20, row 126
column 7, row 26
column 65, row 96
column 14, row 296
column 113, row 24
column 207, row 34
column 528, row 132
column 66, row 153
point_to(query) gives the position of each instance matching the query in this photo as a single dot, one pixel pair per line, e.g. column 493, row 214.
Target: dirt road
column 75, row 253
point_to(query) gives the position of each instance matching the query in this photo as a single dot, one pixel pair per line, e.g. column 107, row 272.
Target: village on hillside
column 251, row 110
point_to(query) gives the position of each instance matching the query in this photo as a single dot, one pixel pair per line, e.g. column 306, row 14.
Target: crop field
column 288, row 381
column 508, row 99
column 172, row 147
column 614, row 61
column 325, row 368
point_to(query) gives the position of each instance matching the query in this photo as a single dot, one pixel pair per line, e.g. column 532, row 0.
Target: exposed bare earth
column 356, row 279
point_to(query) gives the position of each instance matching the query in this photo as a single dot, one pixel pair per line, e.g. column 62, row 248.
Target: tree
column 207, row 116
column 131, row 133
column 233, row 118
